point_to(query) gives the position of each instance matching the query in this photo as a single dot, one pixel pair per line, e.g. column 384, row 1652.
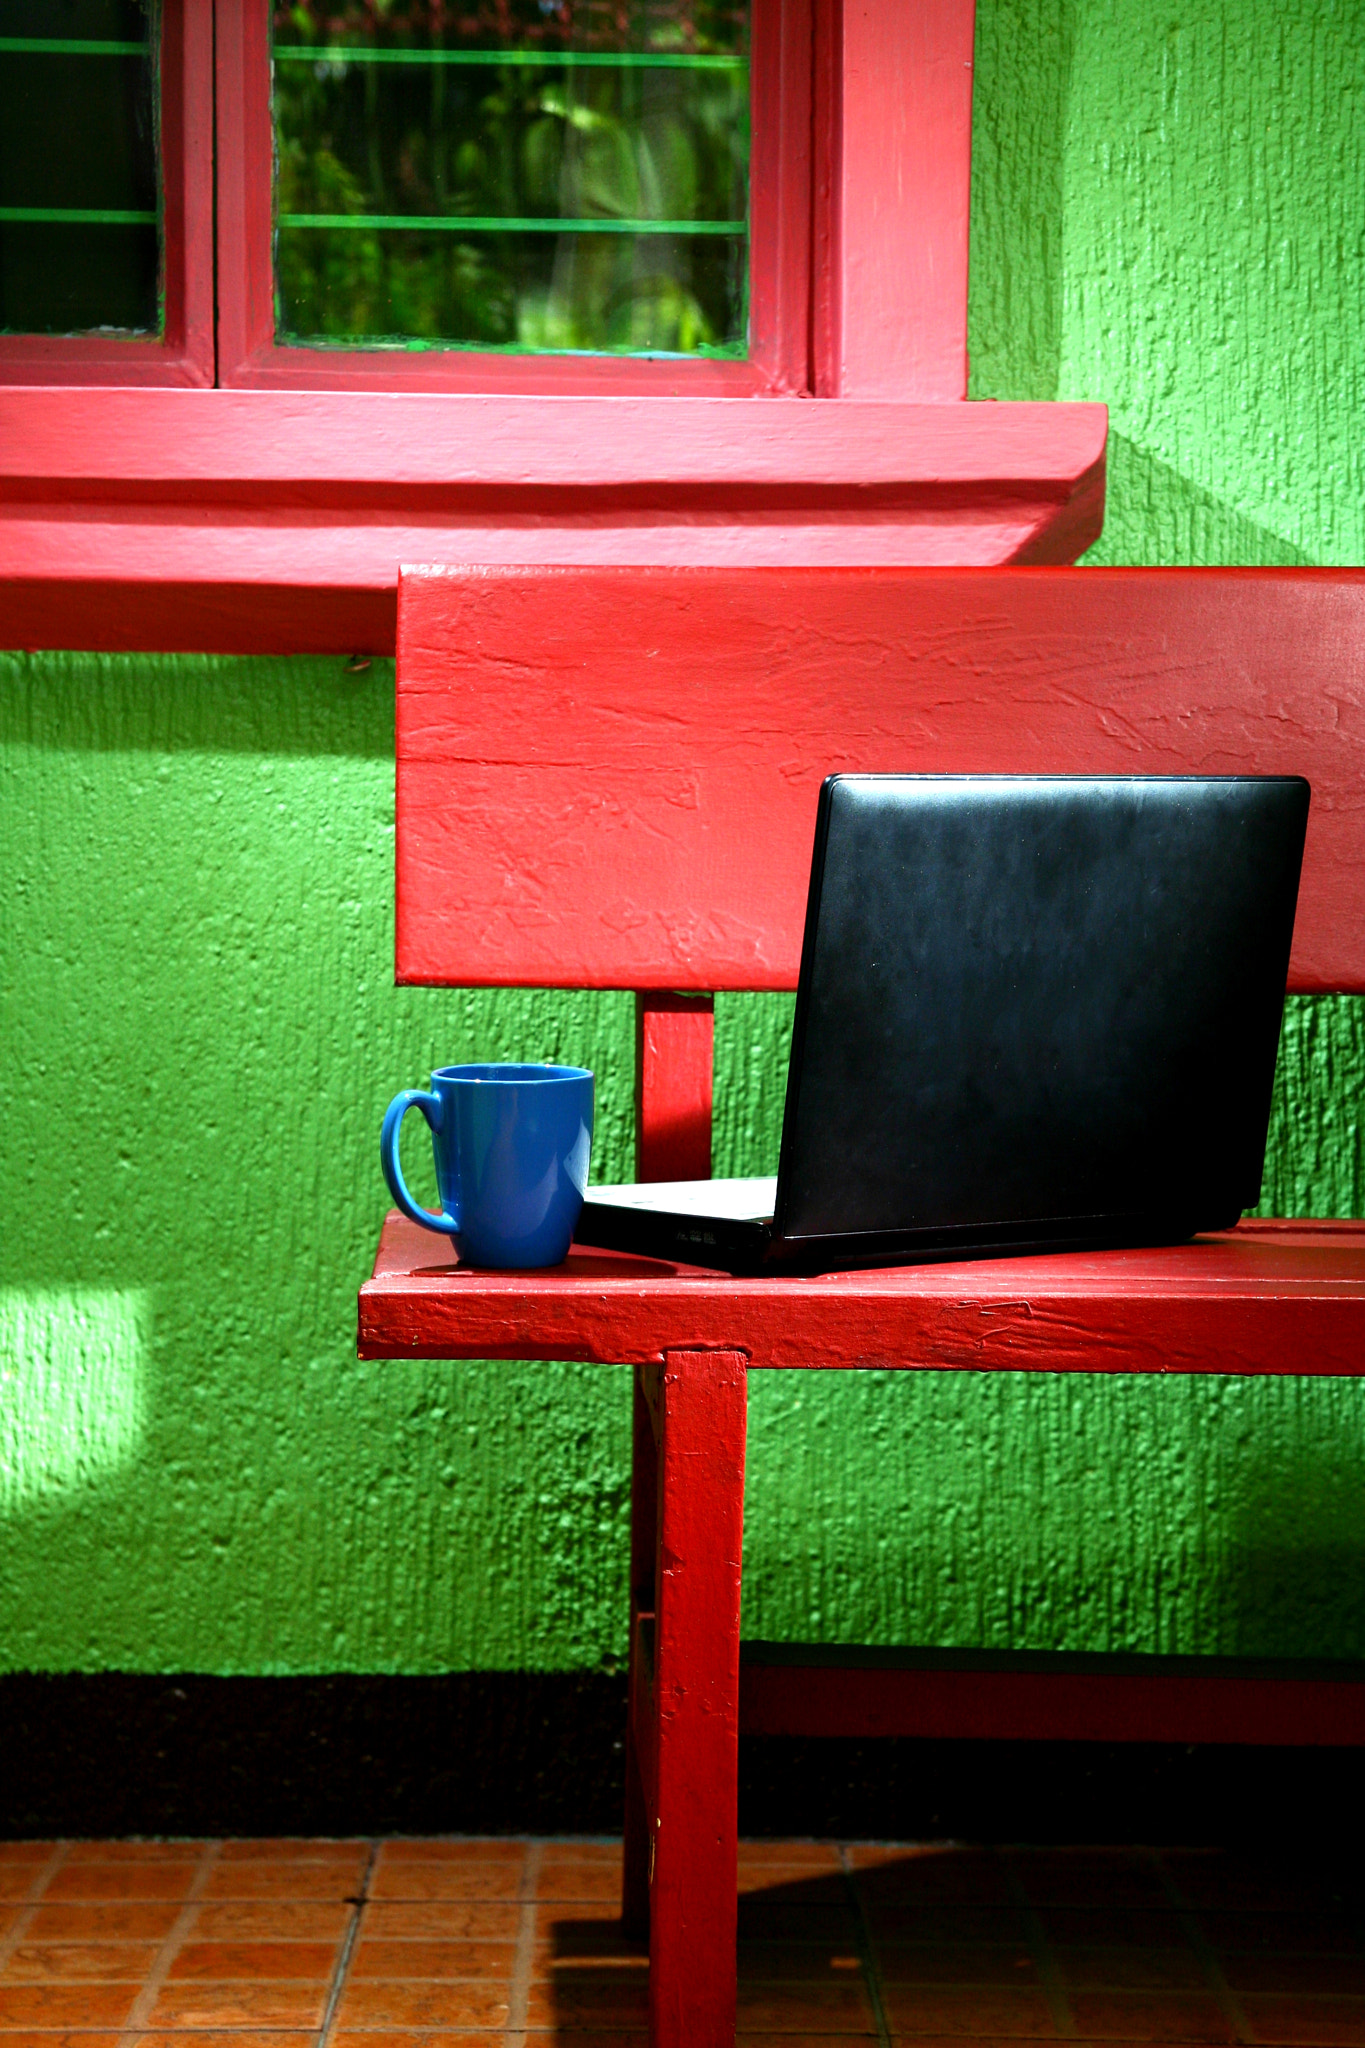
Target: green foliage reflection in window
column 80, row 242
column 531, row 175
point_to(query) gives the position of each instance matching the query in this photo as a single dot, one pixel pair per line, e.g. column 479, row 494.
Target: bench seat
column 1268, row 1297
column 1271, row 1296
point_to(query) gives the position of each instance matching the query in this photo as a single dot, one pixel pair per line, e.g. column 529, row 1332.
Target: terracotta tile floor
column 281, row 1944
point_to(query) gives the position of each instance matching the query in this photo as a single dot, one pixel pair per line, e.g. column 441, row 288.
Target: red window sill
column 255, row 521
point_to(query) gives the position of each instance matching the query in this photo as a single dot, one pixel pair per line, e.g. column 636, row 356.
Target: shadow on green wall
column 168, row 704
column 1047, row 1511
column 1294, row 1543
column 1152, row 512
column 1315, row 1148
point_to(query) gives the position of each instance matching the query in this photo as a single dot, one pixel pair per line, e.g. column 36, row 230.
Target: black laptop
column 1033, row 1012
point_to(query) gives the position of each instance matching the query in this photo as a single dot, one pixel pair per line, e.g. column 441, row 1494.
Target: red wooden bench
column 607, row 778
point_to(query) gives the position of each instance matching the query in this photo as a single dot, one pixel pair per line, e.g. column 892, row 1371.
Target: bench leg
column 700, row 1402
column 644, row 1543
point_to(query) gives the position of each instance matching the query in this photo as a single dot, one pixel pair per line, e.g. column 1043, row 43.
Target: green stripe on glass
column 54, row 46
column 636, row 60
column 97, row 216
column 480, row 224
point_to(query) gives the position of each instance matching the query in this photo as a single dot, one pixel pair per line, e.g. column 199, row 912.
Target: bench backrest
column 607, row 777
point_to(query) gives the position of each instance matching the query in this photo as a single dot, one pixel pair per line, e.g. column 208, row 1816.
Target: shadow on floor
column 898, row 1944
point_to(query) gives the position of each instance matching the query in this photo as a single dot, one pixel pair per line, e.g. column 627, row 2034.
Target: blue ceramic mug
column 512, row 1146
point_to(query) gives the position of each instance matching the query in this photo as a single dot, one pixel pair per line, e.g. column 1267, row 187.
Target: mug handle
column 430, row 1106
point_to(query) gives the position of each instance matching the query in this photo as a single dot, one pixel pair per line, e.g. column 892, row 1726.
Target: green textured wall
column 200, row 1032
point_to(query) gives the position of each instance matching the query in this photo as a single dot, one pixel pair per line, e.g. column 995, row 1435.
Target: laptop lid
column 1037, row 1008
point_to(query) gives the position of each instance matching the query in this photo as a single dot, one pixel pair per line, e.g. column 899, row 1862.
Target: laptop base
column 721, row 1224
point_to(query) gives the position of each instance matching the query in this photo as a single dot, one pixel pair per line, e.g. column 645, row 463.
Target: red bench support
column 683, row 1735
column 673, row 1056
column 650, row 828
column 805, row 1689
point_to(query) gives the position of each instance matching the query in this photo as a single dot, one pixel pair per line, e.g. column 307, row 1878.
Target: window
column 515, row 195
column 479, row 195
column 80, row 187
column 554, row 175
column 106, row 199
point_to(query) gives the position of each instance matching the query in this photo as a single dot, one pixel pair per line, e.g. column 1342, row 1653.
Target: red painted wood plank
column 640, row 1744
column 674, row 1042
column 652, row 827
column 892, row 308
column 692, row 1876
column 281, row 583
column 1282, row 1299
column 1048, row 1706
column 169, row 519
column 246, row 161
column 232, row 447
column 781, row 194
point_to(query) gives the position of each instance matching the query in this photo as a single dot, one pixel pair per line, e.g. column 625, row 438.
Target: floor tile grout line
column 24, row 1920
column 1229, row 2004
column 139, row 2016
column 341, row 1967
column 523, row 1955
column 866, row 1954
column 1050, row 1974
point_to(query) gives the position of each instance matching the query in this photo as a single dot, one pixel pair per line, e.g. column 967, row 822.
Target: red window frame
column 273, row 517
column 893, row 86
column 778, row 360
column 858, row 283
column 184, row 354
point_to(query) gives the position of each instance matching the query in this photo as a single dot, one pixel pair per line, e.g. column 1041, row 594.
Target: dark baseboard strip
column 115, row 1753
column 111, row 1753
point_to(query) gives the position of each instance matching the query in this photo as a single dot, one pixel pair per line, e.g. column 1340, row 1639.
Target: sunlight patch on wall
column 70, row 1387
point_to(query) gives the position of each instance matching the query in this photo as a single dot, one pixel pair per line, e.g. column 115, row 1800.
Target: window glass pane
column 516, row 174
column 80, row 244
